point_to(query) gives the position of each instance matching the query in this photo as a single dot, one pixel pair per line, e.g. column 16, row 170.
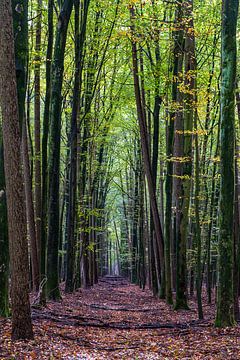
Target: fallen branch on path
column 67, row 320
column 102, row 307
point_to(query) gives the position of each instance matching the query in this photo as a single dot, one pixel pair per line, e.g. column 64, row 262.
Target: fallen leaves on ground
column 117, row 320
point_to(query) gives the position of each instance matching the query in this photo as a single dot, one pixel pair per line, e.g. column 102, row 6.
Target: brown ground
column 116, row 320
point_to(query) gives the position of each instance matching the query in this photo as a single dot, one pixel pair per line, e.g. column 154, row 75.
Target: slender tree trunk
column 54, row 150
column 46, row 118
column 30, row 209
column 146, row 159
column 236, row 260
column 179, row 193
column 210, row 227
column 4, row 253
column 197, row 224
column 37, row 131
column 79, row 40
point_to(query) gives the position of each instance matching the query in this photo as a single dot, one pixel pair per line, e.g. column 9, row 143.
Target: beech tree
column 225, row 315
column 17, row 228
column 54, row 152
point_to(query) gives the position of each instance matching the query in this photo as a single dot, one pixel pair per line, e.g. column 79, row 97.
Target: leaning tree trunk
column 54, row 151
column 17, row 228
column 146, row 158
column 225, row 315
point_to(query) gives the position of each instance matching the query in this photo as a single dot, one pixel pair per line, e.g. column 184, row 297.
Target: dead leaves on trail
column 116, row 320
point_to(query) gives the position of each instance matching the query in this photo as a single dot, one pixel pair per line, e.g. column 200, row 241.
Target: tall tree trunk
column 17, row 229
column 4, row 253
column 197, row 223
column 183, row 135
column 79, row 45
column 146, row 156
column 20, row 29
column 37, row 131
column 181, row 280
column 224, row 316
column 30, row 208
column 54, row 150
column 177, row 62
column 46, row 120
column 236, row 259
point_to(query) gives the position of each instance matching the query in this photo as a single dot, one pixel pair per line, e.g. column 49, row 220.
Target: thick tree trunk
column 17, row 228
column 225, row 316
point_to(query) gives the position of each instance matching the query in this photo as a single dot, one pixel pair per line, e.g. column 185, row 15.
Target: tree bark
column 37, row 131
column 4, row 253
column 30, row 209
column 54, row 151
column 225, row 316
column 146, row 157
column 79, row 45
column 17, row 229
column 46, row 120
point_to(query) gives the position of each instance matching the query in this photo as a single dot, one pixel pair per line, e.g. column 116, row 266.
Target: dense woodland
column 119, row 153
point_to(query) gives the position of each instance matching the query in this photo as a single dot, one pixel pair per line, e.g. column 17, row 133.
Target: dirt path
column 116, row 320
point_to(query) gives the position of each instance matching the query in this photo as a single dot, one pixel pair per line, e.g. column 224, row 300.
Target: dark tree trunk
column 37, row 132
column 181, row 279
column 54, row 151
column 146, row 159
column 46, row 119
column 225, row 316
column 4, row 253
column 79, row 41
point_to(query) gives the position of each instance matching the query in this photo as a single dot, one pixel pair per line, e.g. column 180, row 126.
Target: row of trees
column 120, row 136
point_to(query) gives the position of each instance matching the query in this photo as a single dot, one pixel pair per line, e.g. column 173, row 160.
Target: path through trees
column 117, row 320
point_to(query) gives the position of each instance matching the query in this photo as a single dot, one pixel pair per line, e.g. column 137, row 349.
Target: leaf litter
column 117, row 320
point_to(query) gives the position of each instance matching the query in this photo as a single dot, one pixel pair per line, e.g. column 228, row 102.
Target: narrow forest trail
column 117, row 320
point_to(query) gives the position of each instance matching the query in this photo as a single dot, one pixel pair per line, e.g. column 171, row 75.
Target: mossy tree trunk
column 225, row 313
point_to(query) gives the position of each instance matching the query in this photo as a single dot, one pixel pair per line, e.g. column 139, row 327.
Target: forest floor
column 117, row 320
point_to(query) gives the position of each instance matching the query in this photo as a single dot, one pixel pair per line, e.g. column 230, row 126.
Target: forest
column 119, row 179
